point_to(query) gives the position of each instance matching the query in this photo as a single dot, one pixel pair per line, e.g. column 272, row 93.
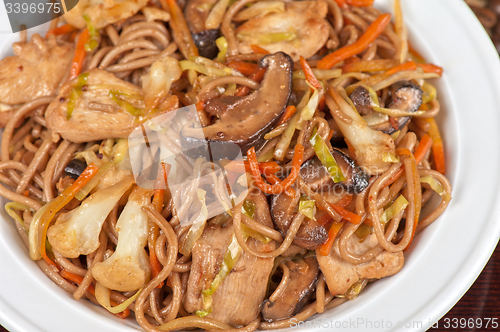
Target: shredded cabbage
column 326, row 157
column 399, row 205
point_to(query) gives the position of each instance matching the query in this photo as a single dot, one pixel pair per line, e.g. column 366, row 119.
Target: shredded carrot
column 62, row 30
column 257, row 76
column 180, row 30
column 91, row 289
column 326, row 247
column 368, row 65
column 26, row 193
column 267, row 167
column 423, row 147
column 430, row 68
column 372, row 32
column 246, row 68
column 437, row 146
column 412, row 66
column 200, row 106
column 80, row 53
column 258, row 49
column 289, row 112
column 278, row 188
column 341, row 3
column 309, row 73
column 347, row 215
column 407, row 66
column 344, row 201
column 393, row 123
column 59, row 202
column 360, row 3
column 273, row 179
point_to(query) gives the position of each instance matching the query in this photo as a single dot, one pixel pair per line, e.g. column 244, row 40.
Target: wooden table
column 480, row 303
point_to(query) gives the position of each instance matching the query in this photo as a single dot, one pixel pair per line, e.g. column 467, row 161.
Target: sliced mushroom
column 196, row 12
column 244, row 123
column 303, row 279
column 316, row 175
column 404, row 95
column 310, row 235
column 75, row 168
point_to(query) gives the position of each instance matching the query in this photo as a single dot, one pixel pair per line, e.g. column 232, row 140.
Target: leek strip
column 436, row 186
column 11, row 206
column 102, row 295
column 399, row 205
column 326, row 157
column 197, row 227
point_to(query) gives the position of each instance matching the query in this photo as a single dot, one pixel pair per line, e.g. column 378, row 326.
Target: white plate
column 445, row 259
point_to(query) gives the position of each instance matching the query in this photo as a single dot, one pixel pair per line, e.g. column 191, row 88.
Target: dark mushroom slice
column 196, row 12
column 310, row 235
column 316, row 175
column 303, row 279
column 244, row 123
column 75, row 168
column 404, row 95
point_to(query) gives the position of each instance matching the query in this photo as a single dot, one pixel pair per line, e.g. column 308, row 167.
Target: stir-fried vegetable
column 326, row 247
column 371, row 33
column 40, row 223
column 197, row 227
column 76, row 92
column 231, row 256
column 216, row 15
column 102, row 295
column 221, row 44
column 80, row 53
column 436, row 186
column 78, row 233
column 287, row 182
column 395, row 208
column 307, row 207
column 127, row 269
column 91, row 289
column 437, row 146
column 93, row 40
column 326, row 157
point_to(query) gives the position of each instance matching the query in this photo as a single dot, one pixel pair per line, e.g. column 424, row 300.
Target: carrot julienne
column 287, row 115
column 437, row 146
column 423, row 147
column 309, row 73
column 372, row 32
column 287, row 182
column 258, row 49
column 80, row 53
column 325, row 248
column 257, row 76
column 246, row 68
column 347, row 215
column 59, row 202
column 62, row 30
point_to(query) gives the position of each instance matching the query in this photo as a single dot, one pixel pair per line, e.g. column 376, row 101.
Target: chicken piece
column 104, row 107
column 300, row 31
column 36, row 70
column 341, row 275
column 238, row 298
column 103, row 12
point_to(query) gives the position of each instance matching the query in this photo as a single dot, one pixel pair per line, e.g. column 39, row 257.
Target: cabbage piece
column 78, row 234
column 128, row 269
column 373, row 149
column 156, row 84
